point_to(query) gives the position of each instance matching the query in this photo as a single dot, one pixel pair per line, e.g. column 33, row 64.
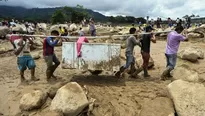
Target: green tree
column 58, row 17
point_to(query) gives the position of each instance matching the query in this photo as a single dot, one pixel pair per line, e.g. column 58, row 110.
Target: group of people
column 24, row 59
column 173, row 41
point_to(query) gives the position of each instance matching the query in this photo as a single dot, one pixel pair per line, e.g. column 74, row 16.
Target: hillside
column 38, row 14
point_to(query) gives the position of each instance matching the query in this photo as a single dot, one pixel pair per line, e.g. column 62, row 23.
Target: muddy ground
column 114, row 97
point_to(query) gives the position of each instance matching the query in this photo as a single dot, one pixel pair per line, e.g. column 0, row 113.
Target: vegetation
column 61, row 14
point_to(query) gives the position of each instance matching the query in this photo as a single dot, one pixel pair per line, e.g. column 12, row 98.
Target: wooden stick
column 89, row 37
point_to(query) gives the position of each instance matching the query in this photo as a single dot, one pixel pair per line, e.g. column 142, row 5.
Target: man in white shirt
column 24, row 58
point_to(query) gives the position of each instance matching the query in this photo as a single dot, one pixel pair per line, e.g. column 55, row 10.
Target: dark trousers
column 145, row 57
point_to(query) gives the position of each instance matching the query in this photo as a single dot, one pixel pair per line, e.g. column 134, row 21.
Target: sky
column 137, row 8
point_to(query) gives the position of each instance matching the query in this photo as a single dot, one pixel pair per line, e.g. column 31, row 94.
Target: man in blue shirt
column 49, row 55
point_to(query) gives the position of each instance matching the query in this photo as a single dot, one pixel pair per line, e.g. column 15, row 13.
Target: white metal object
column 95, row 56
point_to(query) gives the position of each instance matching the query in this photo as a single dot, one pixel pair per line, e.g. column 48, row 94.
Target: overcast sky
column 137, row 8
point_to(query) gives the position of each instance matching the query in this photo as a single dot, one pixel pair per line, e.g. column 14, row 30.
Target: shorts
column 25, row 62
column 171, row 60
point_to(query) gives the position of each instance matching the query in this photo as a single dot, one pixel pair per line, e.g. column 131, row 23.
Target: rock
column 32, row 100
column 19, row 29
column 70, row 99
column 51, row 113
column 160, row 106
column 188, row 98
column 73, row 27
column 53, row 90
column 56, row 27
column 195, row 35
column 4, row 30
column 191, row 54
column 38, row 42
column 2, row 50
column 21, row 26
column 42, row 25
column 187, row 75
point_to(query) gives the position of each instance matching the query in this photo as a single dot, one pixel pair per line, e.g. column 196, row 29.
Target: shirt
column 131, row 43
column 173, row 42
column 79, row 44
column 25, row 48
column 146, row 43
column 48, row 46
column 92, row 27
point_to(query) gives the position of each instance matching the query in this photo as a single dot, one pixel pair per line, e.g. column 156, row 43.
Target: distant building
column 198, row 20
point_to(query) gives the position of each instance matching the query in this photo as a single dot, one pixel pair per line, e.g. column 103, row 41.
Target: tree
column 58, row 17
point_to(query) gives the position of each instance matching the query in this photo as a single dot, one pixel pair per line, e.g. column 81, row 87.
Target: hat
column 147, row 28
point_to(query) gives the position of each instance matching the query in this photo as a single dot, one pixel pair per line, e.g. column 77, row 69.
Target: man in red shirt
column 49, row 55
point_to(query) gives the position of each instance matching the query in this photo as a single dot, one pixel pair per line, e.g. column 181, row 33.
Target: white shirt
column 25, row 48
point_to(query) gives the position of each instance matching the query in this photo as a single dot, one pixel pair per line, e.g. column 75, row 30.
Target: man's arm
column 136, row 42
column 184, row 36
column 153, row 38
column 86, row 40
column 20, row 48
column 51, row 43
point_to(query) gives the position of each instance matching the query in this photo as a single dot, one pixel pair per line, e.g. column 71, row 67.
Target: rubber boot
column 137, row 72
column 48, row 75
column 165, row 74
column 146, row 75
column 133, row 69
column 122, row 69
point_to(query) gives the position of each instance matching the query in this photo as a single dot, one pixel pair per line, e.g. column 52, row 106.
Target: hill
column 39, row 14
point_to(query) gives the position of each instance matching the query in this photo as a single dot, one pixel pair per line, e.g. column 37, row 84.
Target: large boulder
column 73, row 27
column 42, row 25
column 188, row 98
column 187, row 75
column 191, row 54
column 70, row 99
column 195, row 35
column 160, row 106
column 33, row 100
column 51, row 113
column 56, row 27
column 22, row 26
column 4, row 30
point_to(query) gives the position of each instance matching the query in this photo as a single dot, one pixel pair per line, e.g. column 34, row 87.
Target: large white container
column 95, row 56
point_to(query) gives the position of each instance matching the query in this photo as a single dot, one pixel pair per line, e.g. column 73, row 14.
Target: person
column 61, row 30
column 14, row 37
column 173, row 41
column 24, row 59
column 170, row 22
column 145, row 51
column 82, row 39
column 65, row 31
column 133, row 29
column 158, row 23
column 130, row 59
column 152, row 23
column 92, row 28
column 49, row 55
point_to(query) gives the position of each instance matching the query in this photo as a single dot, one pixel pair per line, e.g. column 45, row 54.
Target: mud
column 114, row 96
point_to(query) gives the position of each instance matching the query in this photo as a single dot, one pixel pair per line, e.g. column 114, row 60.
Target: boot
column 53, row 70
column 133, row 69
column 48, row 75
column 122, row 69
column 165, row 74
column 137, row 72
column 146, row 75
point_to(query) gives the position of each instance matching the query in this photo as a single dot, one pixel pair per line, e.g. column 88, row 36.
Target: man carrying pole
column 145, row 51
column 49, row 55
column 130, row 60
column 173, row 41
column 24, row 58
